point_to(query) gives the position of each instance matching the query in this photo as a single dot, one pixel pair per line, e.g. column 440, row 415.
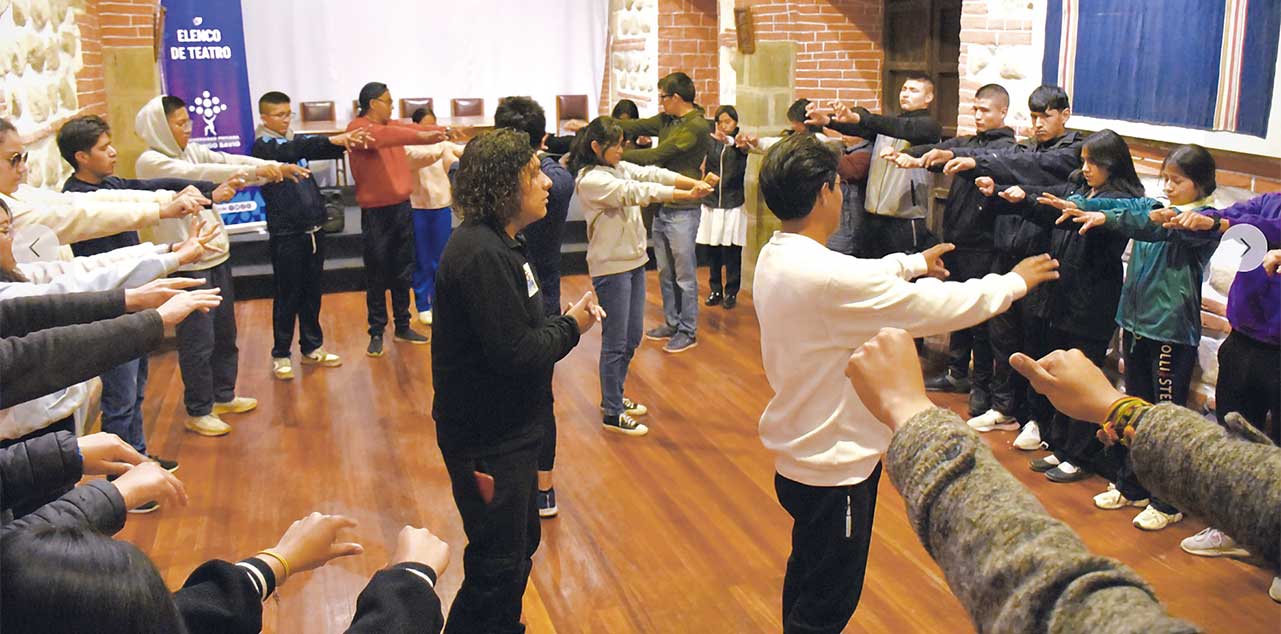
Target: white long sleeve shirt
column 815, row 307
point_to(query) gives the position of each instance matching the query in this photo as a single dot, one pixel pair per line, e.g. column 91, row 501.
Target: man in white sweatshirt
column 207, row 352
column 815, row 307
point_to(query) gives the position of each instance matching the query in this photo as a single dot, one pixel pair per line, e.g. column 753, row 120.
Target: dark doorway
column 924, row 36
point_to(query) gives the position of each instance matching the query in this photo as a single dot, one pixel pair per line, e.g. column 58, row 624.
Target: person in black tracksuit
column 492, row 359
column 968, row 225
column 295, row 214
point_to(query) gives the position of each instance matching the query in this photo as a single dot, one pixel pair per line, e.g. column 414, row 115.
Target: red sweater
column 382, row 172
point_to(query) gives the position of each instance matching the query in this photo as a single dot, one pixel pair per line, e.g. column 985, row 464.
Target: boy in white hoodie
column 207, row 353
column 815, row 307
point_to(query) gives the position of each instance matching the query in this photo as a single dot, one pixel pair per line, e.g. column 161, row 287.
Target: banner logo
column 208, row 108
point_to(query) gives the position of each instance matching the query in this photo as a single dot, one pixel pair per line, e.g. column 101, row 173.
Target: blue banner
column 203, row 63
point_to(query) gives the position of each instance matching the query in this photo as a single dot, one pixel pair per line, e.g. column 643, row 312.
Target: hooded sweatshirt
column 294, row 208
column 74, row 217
column 611, row 198
column 164, row 159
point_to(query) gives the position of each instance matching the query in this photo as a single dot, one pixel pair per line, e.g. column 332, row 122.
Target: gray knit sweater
column 1013, row 567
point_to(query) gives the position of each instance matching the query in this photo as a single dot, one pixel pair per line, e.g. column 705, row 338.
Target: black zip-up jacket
column 294, row 208
column 730, row 163
column 966, row 223
column 915, row 126
column 493, row 348
column 1083, row 301
column 85, row 248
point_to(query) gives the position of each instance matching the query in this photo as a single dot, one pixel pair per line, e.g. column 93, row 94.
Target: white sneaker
column 1212, row 542
column 992, row 419
column 424, row 317
column 1275, row 590
column 321, row 358
column 1153, row 520
column 1112, row 499
column 1030, row 438
column 282, row 368
column 207, row 425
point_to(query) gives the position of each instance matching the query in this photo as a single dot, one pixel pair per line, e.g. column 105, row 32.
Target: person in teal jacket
column 1160, row 309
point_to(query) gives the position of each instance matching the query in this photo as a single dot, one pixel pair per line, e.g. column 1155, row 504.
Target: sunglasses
column 17, row 159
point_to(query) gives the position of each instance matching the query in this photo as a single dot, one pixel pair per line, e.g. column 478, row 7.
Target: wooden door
column 924, row 36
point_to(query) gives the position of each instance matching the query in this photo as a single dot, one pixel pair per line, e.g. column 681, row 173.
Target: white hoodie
column 164, row 159
column 815, row 307
column 122, row 268
column 611, row 198
column 77, row 216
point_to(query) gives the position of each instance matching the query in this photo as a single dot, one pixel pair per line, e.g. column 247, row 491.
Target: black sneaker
column 168, row 465
column 714, row 298
column 948, row 382
column 375, row 348
column 660, row 333
column 731, row 301
column 980, row 401
column 1072, row 474
column 547, row 503
column 146, row 508
column 1041, row 465
column 409, row 335
column 625, row 424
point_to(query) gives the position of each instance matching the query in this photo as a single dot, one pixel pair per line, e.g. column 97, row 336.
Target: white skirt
column 722, row 227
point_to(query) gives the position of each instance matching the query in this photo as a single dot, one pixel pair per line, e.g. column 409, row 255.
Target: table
column 467, row 126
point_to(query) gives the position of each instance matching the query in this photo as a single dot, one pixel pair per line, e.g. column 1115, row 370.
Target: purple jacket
column 1254, row 303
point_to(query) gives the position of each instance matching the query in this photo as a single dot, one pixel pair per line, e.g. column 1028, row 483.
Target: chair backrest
column 317, row 111
column 571, row 107
column 410, row 104
column 467, row 107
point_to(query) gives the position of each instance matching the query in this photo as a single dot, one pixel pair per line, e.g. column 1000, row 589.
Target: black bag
column 335, row 210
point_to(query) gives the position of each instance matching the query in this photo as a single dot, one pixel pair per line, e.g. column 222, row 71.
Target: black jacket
column 966, row 223
column 294, row 208
column 123, row 239
column 1084, row 299
column 916, row 126
column 34, row 470
column 42, row 351
column 493, row 348
column 730, row 163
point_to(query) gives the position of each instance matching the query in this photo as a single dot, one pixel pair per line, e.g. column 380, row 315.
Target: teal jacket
column 1161, row 296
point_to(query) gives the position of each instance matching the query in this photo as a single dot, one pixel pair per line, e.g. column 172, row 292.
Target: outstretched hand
column 886, row 373
column 934, row 260
column 1074, row 385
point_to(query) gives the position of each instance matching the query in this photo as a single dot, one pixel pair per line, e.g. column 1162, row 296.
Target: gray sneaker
column 680, row 342
column 660, row 333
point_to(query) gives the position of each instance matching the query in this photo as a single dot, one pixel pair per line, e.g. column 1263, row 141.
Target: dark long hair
column 1197, row 164
column 625, row 107
column 68, row 580
column 487, row 187
column 603, row 130
column 729, row 110
column 1108, row 150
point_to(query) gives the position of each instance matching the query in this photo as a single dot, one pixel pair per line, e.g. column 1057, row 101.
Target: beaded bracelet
column 1121, row 421
column 278, row 557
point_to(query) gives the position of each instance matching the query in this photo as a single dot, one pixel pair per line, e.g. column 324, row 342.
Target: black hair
column 422, row 113
column 523, row 114
column 794, row 172
column 994, row 91
column 272, row 98
column 603, row 130
column 368, row 93
column 1046, row 98
column 1108, row 150
column 1197, row 164
column 487, row 188
column 678, row 84
column 80, row 135
column 796, row 112
column 625, row 107
column 922, row 77
column 172, row 103
column 729, row 110
column 63, row 580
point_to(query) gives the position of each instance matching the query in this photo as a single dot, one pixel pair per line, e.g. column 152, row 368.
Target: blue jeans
column 622, row 295
column 674, row 231
column 122, row 390
column 431, row 232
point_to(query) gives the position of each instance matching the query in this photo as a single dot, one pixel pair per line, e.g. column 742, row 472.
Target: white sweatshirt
column 815, row 307
column 78, row 216
column 122, row 268
column 611, row 198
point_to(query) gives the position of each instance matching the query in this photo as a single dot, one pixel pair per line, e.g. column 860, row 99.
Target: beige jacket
column 611, row 199
column 164, row 159
column 431, row 164
column 76, row 216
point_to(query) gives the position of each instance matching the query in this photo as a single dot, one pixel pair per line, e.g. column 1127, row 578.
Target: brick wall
column 126, row 23
column 839, row 52
column 687, row 42
column 90, row 85
column 106, row 26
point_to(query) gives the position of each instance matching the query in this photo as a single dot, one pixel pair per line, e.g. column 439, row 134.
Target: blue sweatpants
column 431, row 232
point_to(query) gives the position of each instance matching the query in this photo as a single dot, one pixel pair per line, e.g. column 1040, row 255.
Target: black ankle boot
column 714, row 298
column 731, row 301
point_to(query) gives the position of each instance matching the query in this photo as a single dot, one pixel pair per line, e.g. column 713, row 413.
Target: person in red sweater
column 383, row 184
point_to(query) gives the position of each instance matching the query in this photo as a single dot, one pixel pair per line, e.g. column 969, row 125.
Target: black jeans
column 1157, row 372
column 966, row 264
column 883, row 235
column 207, row 352
column 831, row 534
column 501, row 539
column 731, row 257
column 297, row 264
column 547, row 448
column 1250, row 382
column 389, row 263
column 1015, row 330
column 1071, row 440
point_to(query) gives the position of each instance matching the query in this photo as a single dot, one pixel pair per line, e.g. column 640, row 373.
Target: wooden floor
column 678, row 531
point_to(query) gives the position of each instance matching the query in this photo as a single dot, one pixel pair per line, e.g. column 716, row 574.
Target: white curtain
column 318, row 50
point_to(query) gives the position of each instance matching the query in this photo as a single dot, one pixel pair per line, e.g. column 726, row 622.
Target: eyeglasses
column 17, row 159
column 281, row 115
